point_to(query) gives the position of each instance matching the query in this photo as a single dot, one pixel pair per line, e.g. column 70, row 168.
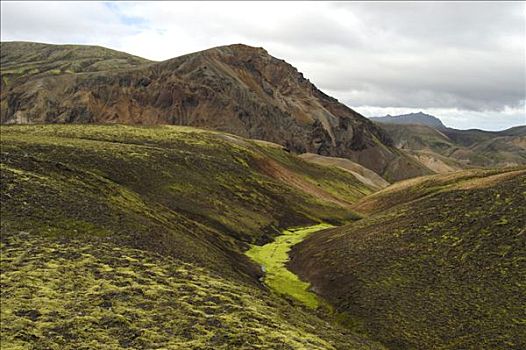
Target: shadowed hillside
column 438, row 264
column 238, row 89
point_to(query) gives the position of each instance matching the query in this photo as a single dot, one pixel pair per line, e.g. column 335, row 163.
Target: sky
column 464, row 62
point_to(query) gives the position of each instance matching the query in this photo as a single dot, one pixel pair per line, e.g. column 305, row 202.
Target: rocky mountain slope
column 419, row 118
column 133, row 237
column 238, row 89
column 437, row 263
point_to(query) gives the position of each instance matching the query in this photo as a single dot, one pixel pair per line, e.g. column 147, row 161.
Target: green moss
column 272, row 257
column 73, row 294
column 26, row 59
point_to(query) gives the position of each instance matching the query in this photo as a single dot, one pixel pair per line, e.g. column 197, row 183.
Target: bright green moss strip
column 273, row 257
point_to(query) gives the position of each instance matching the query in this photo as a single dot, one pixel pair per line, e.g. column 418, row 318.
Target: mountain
column 419, row 118
column 447, row 150
column 436, row 263
column 237, row 89
column 119, row 237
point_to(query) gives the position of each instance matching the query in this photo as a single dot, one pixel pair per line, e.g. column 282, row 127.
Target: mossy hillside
column 272, row 257
column 397, row 170
column 67, row 293
column 419, row 137
column 174, row 190
column 406, row 191
column 442, row 271
column 27, row 59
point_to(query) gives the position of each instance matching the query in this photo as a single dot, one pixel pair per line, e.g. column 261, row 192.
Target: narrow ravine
column 273, row 257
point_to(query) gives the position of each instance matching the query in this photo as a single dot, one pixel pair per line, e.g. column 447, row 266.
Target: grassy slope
column 439, row 263
column 27, row 59
column 414, row 189
column 172, row 196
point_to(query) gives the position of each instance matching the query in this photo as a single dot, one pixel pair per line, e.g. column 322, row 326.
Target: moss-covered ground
column 65, row 293
column 133, row 237
column 439, row 265
column 173, row 190
column 273, row 256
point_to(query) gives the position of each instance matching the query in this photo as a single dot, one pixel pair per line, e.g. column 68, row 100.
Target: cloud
column 62, row 22
column 466, row 58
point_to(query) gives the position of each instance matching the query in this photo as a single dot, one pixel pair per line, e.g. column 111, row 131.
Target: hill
column 118, row 236
column 447, row 150
column 23, row 60
column 419, row 118
column 437, row 263
column 361, row 173
column 237, row 89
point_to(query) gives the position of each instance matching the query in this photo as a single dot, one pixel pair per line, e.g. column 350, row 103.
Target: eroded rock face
column 237, row 88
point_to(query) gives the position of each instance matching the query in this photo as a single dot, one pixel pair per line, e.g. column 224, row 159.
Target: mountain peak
column 238, row 50
column 418, row 118
column 244, row 47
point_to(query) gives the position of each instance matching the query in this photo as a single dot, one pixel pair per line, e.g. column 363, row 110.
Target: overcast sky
column 464, row 62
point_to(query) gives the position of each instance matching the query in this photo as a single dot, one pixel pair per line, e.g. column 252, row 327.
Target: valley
column 219, row 200
column 435, row 263
column 104, row 226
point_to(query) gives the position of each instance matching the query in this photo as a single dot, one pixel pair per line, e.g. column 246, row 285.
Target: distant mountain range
column 444, row 149
column 419, row 118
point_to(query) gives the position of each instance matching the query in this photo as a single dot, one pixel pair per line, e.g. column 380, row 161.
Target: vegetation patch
column 272, row 258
